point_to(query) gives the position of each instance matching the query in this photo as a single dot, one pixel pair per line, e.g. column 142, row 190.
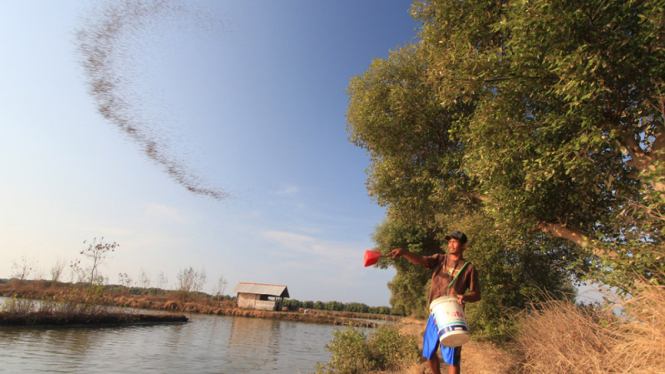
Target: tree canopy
column 541, row 118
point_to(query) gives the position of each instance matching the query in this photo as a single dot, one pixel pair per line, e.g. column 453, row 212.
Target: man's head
column 457, row 235
column 456, row 242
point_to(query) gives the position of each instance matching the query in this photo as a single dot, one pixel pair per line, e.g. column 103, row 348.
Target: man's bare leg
column 454, row 369
column 434, row 364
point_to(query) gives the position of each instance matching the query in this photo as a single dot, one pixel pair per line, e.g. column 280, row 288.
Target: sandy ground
column 477, row 357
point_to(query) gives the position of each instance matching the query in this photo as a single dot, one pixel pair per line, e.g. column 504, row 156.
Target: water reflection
column 258, row 336
column 207, row 344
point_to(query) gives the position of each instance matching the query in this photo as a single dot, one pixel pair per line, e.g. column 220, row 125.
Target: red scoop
column 372, row 257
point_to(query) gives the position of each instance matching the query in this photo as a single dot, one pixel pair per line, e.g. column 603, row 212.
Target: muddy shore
column 102, row 319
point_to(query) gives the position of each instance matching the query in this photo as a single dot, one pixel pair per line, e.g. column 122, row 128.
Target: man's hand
column 397, row 253
column 470, row 297
column 412, row 257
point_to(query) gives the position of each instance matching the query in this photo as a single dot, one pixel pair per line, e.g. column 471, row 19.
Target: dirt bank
column 101, row 319
column 477, row 357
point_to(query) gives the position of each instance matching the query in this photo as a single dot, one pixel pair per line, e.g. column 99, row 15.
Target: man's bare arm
column 470, row 297
column 412, row 257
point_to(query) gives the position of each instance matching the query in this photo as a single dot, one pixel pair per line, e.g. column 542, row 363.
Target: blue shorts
column 450, row 355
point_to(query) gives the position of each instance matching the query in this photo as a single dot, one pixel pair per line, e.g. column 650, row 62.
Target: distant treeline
column 336, row 306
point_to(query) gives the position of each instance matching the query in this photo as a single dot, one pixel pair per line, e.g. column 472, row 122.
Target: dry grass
column 558, row 337
column 641, row 345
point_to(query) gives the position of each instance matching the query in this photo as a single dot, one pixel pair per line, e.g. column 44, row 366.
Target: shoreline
column 47, row 319
column 173, row 302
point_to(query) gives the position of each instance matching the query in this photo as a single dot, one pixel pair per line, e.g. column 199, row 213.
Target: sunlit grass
column 559, row 337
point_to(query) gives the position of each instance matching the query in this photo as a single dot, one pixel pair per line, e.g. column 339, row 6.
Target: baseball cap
column 457, row 235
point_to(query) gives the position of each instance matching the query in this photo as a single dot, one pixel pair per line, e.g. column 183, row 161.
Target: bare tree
column 58, row 270
column 200, row 281
column 221, row 287
column 144, row 279
column 162, row 280
column 77, row 273
column 125, row 280
column 22, row 270
column 189, row 280
column 96, row 253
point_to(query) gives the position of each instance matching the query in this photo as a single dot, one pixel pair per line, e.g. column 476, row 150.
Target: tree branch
column 573, row 235
column 564, row 232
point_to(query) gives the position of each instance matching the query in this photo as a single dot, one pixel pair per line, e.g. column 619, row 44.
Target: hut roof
column 261, row 289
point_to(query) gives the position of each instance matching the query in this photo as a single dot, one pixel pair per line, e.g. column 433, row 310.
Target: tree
column 96, row 253
column 395, row 115
column 190, row 280
column 76, row 273
column 333, row 305
column 162, row 280
column 545, row 116
column 23, row 269
column 538, row 124
column 221, row 287
column 568, row 108
column 144, row 279
column 57, row 270
column 416, row 172
column 125, row 280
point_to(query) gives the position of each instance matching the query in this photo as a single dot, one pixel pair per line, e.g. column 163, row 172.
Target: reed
column 73, row 307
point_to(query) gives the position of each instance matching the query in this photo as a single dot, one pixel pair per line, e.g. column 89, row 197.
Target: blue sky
column 248, row 95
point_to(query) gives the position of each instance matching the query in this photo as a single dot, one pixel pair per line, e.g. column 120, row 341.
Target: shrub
column 350, row 353
column 353, row 352
column 391, row 349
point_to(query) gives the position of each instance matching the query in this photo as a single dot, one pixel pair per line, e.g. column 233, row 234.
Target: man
column 445, row 267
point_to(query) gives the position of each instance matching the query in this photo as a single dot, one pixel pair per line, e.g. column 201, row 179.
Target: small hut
column 260, row 296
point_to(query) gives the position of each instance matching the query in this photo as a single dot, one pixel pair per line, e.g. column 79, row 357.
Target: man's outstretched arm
column 412, row 257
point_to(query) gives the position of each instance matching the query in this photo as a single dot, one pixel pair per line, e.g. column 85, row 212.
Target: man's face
column 455, row 246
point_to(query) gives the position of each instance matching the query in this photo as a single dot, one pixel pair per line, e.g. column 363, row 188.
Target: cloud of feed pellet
column 109, row 42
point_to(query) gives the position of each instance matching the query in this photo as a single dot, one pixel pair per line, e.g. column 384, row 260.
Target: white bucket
column 450, row 321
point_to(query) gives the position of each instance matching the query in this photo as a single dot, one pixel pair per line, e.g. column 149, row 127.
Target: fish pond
column 206, row 344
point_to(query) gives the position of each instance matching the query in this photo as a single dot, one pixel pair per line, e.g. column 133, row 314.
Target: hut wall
column 265, row 305
column 254, row 301
column 247, row 300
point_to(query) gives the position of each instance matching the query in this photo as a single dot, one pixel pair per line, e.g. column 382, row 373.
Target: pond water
column 206, row 344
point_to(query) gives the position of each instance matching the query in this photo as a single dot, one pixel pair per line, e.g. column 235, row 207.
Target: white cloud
column 323, row 251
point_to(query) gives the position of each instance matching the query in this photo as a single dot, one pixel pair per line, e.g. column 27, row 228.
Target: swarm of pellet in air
column 106, row 41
